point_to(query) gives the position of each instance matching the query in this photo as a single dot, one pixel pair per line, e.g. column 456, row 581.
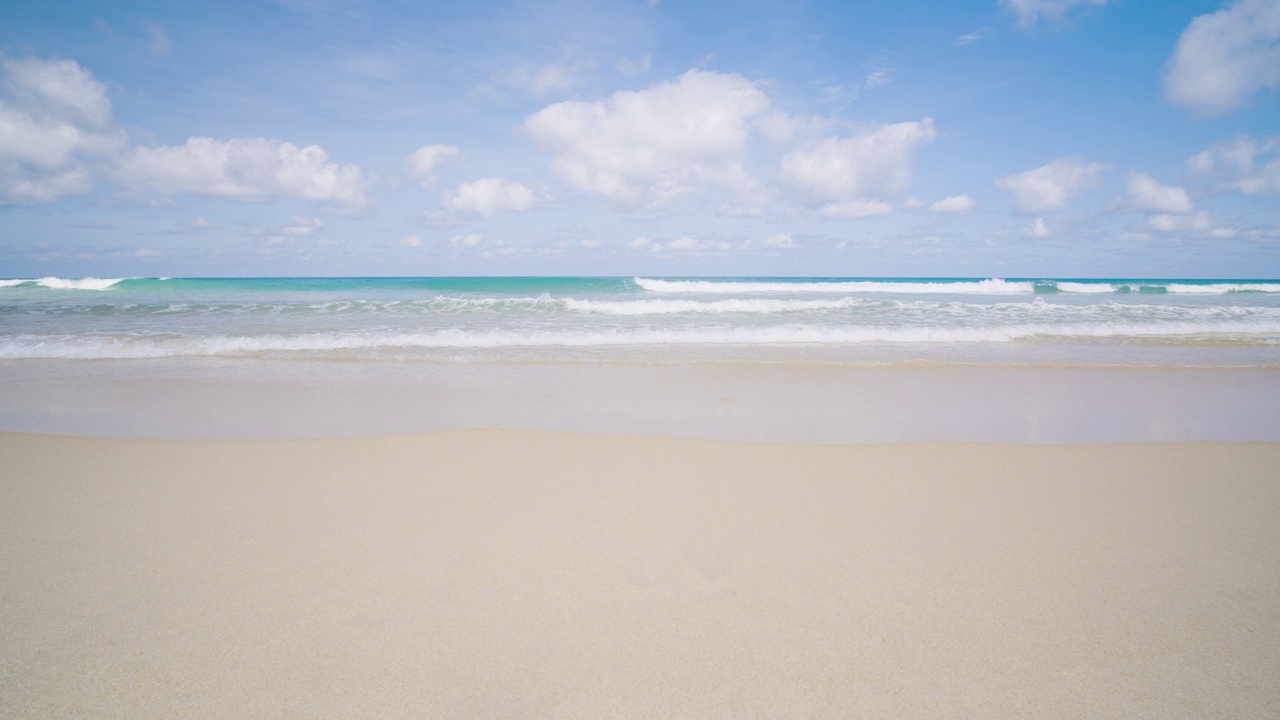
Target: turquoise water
column 573, row 319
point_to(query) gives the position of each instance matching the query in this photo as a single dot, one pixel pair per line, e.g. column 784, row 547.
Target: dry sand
column 506, row 574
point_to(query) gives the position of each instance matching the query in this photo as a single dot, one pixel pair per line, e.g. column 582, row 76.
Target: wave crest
column 344, row 344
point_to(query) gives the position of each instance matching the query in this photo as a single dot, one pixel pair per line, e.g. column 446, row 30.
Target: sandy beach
column 497, row 573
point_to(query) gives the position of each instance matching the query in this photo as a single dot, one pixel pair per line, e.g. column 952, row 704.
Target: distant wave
column 340, row 344
column 57, row 283
column 992, row 286
column 1079, row 287
column 988, row 287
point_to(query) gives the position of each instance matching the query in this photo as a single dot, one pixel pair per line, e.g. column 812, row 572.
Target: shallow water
column 813, row 360
column 623, row 320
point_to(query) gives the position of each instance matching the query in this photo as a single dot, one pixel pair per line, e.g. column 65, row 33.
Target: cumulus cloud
column 422, row 164
column 244, row 169
column 650, row 147
column 1250, row 166
column 1038, row 229
column 1051, row 187
column 780, row 241
column 954, row 205
column 468, row 240
column 1150, row 195
column 54, row 116
column 847, row 177
column 489, row 195
column 1029, row 12
column 1168, row 223
column 1222, row 59
column 412, row 241
column 1199, row 224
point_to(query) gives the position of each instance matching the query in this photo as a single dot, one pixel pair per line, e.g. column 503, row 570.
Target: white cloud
column 1200, row 224
column 302, row 226
column 1242, row 164
column 782, row 240
column 1038, row 229
column 1150, row 195
column 643, row 243
column 423, row 162
column 1224, row 58
column 591, row 243
column 412, row 241
column 954, row 205
column 649, row 147
column 1166, row 223
column 1030, row 12
column 489, row 195
column 244, row 169
column 878, row 76
column 1051, row 186
column 847, row 176
column 57, row 89
column 468, row 240
column 855, row 209
column 53, row 117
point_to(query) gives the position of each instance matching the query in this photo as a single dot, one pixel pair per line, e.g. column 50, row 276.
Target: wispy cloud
column 973, row 37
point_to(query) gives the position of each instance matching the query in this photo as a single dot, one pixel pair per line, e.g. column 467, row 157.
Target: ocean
column 840, row 321
column 828, row 360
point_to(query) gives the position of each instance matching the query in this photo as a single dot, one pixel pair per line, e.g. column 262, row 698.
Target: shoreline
column 503, row 573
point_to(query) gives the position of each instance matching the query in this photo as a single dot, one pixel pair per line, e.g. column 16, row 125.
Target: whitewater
column 856, row 321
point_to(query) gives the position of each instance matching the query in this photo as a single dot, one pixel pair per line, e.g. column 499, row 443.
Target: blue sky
column 1087, row 138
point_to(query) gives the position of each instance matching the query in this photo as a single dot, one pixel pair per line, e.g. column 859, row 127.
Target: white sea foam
column 341, row 344
column 57, row 283
column 1078, row 287
column 992, row 286
column 1219, row 288
column 14, row 282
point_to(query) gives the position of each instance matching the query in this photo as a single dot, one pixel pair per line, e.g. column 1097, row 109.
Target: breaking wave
column 57, row 283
